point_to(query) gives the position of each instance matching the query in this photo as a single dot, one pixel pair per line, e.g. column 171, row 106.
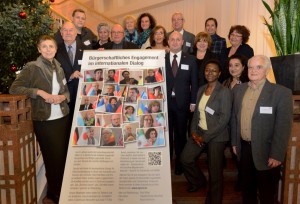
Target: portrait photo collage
column 120, row 106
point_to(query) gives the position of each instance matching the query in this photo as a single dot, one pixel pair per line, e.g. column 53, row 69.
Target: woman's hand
column 49, row 98
column 198, row 139
column 57, row 99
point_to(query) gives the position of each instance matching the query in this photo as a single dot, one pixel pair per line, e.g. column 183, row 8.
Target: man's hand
column 192, row 107
column 234, row 149
column 76, row 75
column 272, row 163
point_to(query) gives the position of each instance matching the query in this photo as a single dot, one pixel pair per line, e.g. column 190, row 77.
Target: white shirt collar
column 178, row 56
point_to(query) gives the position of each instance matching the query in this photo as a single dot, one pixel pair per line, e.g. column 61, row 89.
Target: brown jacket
column 38, row 75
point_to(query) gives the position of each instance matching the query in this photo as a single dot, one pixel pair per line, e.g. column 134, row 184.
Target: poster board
column 119, row 144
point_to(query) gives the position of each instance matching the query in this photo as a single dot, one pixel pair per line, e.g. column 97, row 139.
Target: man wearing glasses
column 118, row 42
column 188, row 38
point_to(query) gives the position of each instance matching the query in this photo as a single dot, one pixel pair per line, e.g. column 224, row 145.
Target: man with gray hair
column 117, row 40
column 188, row 38
column 261, row 124
column 69, row 55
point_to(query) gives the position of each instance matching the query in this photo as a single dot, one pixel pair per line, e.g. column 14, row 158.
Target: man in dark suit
column 87, row 105
column 188, row 38
column 127, row 79
column 182, row 84
column 117, row 40
column 84, row 34
column 69, row 54
column 261, row 124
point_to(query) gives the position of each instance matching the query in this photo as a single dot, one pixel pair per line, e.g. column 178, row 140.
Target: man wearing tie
column 69, row 55
column 87, row 105
column 182, row 84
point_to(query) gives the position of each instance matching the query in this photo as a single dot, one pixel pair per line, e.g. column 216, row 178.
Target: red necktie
column 174, row 65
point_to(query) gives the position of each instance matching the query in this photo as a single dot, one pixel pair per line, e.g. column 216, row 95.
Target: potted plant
column 285, row 31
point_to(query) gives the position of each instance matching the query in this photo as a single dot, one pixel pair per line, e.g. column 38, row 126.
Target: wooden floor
column 230, row 196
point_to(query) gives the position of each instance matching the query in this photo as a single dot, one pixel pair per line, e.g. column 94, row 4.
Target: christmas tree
column 21, row 23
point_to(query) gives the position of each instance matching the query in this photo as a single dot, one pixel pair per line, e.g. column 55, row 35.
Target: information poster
column 119, row 144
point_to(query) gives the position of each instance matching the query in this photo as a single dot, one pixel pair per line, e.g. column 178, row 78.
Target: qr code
column 154, row 158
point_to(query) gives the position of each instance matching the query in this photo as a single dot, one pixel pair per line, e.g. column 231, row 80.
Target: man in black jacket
column 84, row 34
column 118, row 42
column 69, row 54
column 182, row 85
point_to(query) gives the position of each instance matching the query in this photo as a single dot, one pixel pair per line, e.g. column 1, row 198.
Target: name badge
column 64, row 81
column 209, row 110
column 188, row 44
column 79, row 62
column 87, row 42
column 265, row 110
column 185, row 67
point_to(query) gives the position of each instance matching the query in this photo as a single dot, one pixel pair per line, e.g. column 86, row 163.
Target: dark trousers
column 266, row 181
column 73, row 87
column 177, row 128
column 195, row 177
column 53, row 138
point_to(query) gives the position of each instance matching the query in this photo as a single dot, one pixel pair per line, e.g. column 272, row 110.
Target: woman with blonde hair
column 131, row 33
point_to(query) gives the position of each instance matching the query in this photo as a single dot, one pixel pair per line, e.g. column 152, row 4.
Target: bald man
column 182, row 85
column 69, row 54
column 117, row 40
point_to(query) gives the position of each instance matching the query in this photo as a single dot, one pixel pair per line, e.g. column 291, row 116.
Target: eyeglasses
column 178, row 19
column 236, row 36
column 117, row 32
column 158, row 33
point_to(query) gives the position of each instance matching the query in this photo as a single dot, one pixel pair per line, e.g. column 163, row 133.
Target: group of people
column 222, row 93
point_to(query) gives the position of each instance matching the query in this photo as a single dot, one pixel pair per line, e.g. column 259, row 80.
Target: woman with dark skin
column 209, row 129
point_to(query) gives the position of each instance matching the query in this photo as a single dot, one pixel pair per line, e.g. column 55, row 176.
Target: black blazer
column 82, row 106
column 63, row 58
column 185, row 82
column 201, row 63
column 126, row 45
